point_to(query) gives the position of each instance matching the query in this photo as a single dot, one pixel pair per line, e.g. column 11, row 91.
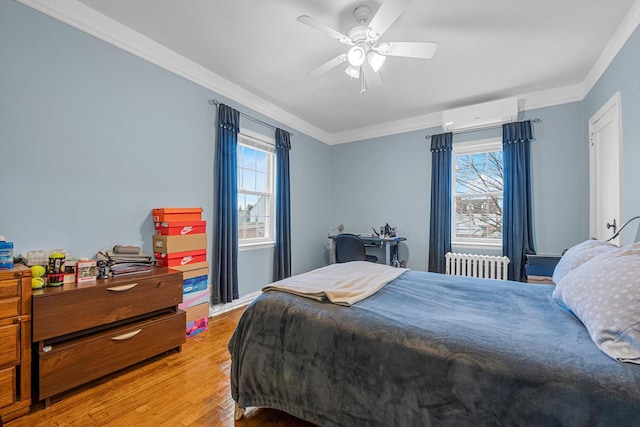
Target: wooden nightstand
column 539, row 268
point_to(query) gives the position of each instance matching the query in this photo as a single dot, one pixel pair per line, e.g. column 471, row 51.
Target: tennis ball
column 37, row 271
column 37, row 283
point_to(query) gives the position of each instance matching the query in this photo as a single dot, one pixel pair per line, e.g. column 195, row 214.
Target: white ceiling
column 257, row 53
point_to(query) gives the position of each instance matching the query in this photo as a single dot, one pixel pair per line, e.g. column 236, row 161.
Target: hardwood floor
column 187, row 388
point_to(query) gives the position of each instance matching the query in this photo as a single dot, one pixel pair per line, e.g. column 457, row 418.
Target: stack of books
column 124, row 260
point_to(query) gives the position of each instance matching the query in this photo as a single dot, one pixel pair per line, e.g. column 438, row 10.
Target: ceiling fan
column 366, row 53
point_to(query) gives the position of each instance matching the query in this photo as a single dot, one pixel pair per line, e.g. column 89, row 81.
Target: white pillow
column 578, row 255
column 604, row 293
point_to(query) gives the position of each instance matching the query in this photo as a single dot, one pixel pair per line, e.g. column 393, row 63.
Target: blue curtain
column 440, row 226
column 517, row 212
column 225, row 245
column 282, row 253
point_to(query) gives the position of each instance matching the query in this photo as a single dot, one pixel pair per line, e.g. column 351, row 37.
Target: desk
column 388, row 242
column 377, row 242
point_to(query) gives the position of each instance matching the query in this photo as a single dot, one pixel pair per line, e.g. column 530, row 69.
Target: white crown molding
column 88, row 20
column 551, row 97
column 626, row 28
column 530, row 101
column 85, row 19
column 422, row 122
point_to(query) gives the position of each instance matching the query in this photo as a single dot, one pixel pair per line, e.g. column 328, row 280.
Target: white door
column 604, row 157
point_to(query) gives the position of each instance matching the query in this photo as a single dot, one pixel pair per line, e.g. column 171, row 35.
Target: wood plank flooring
column 187, row 388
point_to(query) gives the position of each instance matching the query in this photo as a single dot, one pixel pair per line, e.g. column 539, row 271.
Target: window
column 477, row 193
column 255, row 190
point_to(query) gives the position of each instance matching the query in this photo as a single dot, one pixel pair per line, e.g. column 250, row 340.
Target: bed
column 428, row 350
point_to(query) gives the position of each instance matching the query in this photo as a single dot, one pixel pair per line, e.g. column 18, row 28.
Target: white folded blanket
column 342, row 284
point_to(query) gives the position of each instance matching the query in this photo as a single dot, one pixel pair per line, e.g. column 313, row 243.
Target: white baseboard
column 219, row 309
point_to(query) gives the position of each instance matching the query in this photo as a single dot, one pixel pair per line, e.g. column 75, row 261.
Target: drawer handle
column 122, row 288
column 127, row 336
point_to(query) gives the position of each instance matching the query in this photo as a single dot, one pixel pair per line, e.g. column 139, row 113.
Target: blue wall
column 384, row 180
column 92, row 138
column 389, row 179
column 623, row 75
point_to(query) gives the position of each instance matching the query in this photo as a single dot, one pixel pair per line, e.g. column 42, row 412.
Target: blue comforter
column 430, row 350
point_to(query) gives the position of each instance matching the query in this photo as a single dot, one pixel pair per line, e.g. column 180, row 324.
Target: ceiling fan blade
column 386, row 15
column 423, row 50
column 371, row 77
column 325, row 29
column 332, row 63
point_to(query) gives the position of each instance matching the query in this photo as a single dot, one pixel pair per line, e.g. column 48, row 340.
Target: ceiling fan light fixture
column 376, row 60
column 383, row 48
column 353, row 72
column 356, row 56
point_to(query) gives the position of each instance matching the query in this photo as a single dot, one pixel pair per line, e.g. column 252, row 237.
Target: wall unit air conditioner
column 480, row 116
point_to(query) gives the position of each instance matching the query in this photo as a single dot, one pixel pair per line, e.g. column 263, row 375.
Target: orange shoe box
column 180, row 258
column 177, row 214
column 170, row 244
column 180, row 228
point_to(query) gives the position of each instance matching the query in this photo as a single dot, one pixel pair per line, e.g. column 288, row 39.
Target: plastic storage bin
column 6, row 254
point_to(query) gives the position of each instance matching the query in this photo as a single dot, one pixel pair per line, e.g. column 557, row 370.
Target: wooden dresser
column 15, row 342
column 83, row 331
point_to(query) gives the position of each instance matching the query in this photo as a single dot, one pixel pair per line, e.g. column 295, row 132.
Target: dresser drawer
column 69, row 364
column 9, row 307
column 9, row 288
column 9, row 344
column 7, row 386
column 58, row 312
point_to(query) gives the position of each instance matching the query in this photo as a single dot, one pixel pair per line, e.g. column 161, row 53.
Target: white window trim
column 258, row 141
column 256, row 245
column 469, row 147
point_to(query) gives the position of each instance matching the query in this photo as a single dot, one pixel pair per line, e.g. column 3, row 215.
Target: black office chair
column 350, row 247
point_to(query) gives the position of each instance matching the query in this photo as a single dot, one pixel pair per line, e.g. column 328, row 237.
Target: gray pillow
column 604, row 293
column 578, row 255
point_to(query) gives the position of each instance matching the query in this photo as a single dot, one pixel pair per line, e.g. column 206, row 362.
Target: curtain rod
column 216, row 103
column 536, row 120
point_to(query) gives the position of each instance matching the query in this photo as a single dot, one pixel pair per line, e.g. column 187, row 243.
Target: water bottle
column 6, row 253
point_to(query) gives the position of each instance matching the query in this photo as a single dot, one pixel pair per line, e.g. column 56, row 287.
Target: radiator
column 490, row 267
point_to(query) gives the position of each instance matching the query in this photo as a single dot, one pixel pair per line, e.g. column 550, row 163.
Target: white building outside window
column 477, row 181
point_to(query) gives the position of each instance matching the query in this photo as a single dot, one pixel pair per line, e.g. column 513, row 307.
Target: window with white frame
column 255, row 190
column 477, row 193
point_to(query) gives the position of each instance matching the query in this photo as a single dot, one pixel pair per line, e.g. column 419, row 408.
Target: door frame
column 612, row 104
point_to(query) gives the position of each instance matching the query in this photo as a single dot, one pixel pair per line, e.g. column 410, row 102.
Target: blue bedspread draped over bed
column 430, row 349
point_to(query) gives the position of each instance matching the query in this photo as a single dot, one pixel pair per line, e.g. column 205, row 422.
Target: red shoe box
column 177, row 214
column 180, row 258
column 180, row 228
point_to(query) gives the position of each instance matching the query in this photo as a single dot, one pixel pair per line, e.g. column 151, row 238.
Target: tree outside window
column 477, row 193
